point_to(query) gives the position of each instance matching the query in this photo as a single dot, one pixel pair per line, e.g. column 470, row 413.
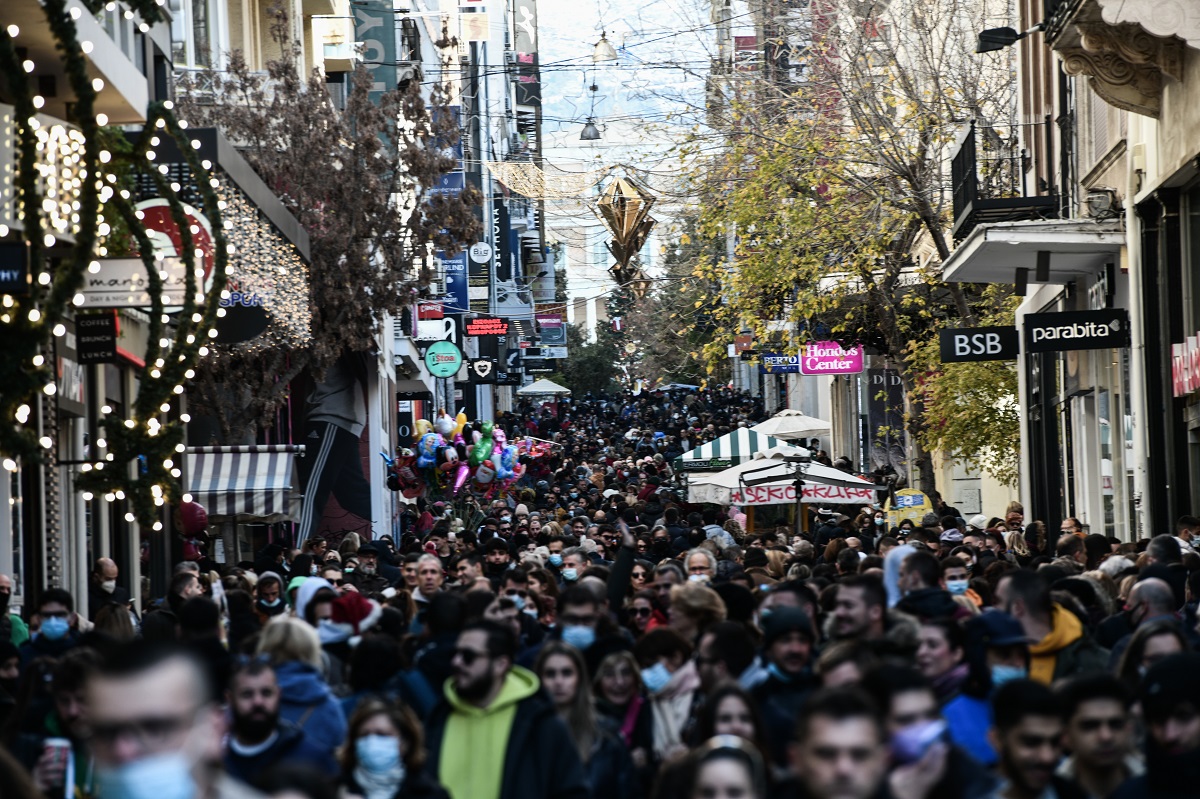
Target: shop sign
column 443, row 359
column 482, row 370
column 1076, row 330
column 815, row 358
column 486, row 326
column 710, row 464
column 1185, row 366
column 812, row 492
column 14, row 268
column 96, row 338
column 963, row 345
column 123, row 283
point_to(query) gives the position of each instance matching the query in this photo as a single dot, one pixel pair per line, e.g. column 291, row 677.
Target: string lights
column 52, row 191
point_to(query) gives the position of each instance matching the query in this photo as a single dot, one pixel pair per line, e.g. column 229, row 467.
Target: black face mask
column 661, row 544
column 4, row 598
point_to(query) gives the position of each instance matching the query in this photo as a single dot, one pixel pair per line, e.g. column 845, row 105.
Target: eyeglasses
column 642, row 612
column 151, row 733
column 516, row 592
column 468, row 656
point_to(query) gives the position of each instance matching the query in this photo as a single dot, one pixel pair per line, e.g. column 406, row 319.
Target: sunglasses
column 516, row 592
column 469, row 656
column 643, row 612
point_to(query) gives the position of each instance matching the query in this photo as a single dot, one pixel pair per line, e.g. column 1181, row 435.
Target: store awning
column 1056, row 251
column 246, row 484
column 822, row 484
column 728, row 450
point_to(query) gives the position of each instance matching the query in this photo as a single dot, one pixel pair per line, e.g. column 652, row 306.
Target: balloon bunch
column 445, row 462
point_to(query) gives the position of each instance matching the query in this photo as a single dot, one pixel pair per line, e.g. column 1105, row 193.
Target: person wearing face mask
column 924, row 764
column 996, row 652
column 575, row 562
column 788, row 642
column 384, row 756
column 268, row 597
column 103, row 589
column 58, row 632
column 956, row 579
column 672, row 684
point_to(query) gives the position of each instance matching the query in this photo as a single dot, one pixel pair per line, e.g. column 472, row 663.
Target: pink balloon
column 460, row 476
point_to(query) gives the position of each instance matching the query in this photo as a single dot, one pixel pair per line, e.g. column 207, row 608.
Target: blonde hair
column 776, row 563
column 700, row 603
column 1017, row 543
column 286, row 639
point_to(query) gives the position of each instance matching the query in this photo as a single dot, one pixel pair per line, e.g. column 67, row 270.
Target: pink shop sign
column 830, row 358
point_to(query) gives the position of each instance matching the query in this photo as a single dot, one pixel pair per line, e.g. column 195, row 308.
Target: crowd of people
column 592, row 635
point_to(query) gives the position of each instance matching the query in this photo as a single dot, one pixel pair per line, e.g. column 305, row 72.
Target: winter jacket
column 780, row 700
column 1066, row 651
column 40, row 646
column 968, row 720
column 291, row 746
column 610, row 770
column 1167, row 776
column 307, row 702
column 671, row 708
column 536, row 760
column 929, row 603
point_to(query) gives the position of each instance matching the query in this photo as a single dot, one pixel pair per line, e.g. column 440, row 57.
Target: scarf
column 379, row 786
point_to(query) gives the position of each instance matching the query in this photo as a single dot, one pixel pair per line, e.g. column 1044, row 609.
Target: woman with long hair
column 622, row 704
column 730, row 710
column 384, row 756
column 1149, row 644
column 610, row 767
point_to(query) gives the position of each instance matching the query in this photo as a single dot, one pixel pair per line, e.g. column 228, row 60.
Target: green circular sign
column 443, row 359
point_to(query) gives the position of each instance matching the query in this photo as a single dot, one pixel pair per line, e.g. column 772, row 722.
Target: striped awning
column 728, row 450
column 246, row 484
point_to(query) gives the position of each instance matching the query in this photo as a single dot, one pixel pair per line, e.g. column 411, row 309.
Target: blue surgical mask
column 570, row 575
column 379, row 754
column 519, row 601
column 274, row 603
column 879, row 520
column 54, row 628
column 555, row 559
column 165, row 776
column 578, row 635
column 656, row 677
column 1002, row 674
column 957, row 587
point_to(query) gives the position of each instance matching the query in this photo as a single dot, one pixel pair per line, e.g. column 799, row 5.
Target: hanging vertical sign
column 501, row 239
column 454, row 267
column 526, row 76
column 375, row 30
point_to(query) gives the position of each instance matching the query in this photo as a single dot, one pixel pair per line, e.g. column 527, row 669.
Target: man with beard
column 1170, row 697
column 497, row 559
column 841, row 748
column 258, row 739
column 496, row 735
column 1100, row 734
column 1027, row 734
column 366, row 578
column 788, row 639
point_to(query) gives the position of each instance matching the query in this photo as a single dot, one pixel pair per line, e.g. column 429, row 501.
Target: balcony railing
column 987, row 174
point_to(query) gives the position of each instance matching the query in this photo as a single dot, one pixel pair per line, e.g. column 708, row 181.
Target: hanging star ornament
column 625, row 209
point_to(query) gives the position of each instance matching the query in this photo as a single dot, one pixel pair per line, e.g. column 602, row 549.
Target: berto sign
column 1076, row 330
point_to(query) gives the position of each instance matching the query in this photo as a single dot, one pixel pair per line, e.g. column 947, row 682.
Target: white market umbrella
column 544, row 387
column 791, row 425
column 822, row 484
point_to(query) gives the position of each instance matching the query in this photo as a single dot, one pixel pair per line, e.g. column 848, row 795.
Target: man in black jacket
column 497, row 735
column 258, row 738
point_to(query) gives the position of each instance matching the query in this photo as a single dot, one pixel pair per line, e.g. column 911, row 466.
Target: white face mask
column 108, row 586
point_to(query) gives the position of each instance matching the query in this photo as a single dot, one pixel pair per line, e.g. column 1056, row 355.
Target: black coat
column 610, row 770
column 929, row 603
column 540, row 761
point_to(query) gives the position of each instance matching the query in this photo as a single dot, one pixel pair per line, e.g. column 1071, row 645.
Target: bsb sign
column 967, row 344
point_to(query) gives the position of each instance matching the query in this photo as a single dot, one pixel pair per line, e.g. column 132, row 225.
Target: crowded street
column 535, row 399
